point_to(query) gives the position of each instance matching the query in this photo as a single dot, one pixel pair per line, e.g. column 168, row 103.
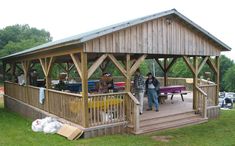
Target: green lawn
column 15, row 130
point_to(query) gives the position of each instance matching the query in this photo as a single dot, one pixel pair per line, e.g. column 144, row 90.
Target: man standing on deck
column 139, row 86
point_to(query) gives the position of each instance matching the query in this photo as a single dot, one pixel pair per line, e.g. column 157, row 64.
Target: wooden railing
column 112, row 108
column 133, row 111
column 102, row 108
column 210, row 90
column 201, row 102
column 106, row 108
column 16, row 90
column 33, row 98
column 65, row 105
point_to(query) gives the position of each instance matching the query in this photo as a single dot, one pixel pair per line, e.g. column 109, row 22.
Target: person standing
column 139, row 87
column 152, row 86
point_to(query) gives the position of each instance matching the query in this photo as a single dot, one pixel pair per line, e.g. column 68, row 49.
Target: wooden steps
column 156, row 123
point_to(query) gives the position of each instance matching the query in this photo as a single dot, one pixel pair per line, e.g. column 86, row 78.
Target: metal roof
column 80, row 38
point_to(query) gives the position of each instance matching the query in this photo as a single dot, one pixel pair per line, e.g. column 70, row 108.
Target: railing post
column 136, row 118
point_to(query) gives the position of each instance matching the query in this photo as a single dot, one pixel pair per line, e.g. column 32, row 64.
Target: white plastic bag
column 52, row 127
column 37, row 125
column 47, row 125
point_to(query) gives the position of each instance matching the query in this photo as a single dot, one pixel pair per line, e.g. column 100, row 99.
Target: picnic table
column 172, row 90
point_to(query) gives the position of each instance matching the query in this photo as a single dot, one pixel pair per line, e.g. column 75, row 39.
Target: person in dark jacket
column 152, row 86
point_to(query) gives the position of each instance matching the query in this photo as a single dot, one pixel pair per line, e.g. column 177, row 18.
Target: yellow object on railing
column 75, row 106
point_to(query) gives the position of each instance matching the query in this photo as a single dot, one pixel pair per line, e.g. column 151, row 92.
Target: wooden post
column 46, row 64
column 12, row 72
column 4, row 71
column 84, row 78
column 165, row 72
column 25, row 66
column 195, row 83
column 128, row 76
column 217, row 79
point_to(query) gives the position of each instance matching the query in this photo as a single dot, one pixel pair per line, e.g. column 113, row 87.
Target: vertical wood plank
column 103, row 44
column 122, row 41
column 128, row 40
column 150, row 37
column 139, row 46
column 133, row 39
column 109, row 43
column 155, row 36
column 145, row 37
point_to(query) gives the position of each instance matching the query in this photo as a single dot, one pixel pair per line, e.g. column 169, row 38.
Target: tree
column 229, row 79
column 225, row 64
column 20, row 37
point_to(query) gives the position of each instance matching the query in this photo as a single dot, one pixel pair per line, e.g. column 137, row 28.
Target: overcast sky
column 63, row 18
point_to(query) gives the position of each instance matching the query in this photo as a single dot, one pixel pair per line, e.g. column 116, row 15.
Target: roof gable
column 84, row 37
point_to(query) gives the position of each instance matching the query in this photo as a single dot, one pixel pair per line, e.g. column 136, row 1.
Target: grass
column 16, row 130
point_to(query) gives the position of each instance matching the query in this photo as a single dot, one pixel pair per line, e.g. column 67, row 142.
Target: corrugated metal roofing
column 106, row 30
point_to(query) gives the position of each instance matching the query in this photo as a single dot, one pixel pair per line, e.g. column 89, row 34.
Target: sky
column 64, row 18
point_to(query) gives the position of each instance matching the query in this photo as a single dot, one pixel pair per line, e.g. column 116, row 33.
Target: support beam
column 165, row 72
column 84, row 89
column 12, row 71
column 171, row 64
column 25, row 67
column 128, row 75
column 49, row 65
column 217, row 79
column 77, row 64
column 203, row 62
column 159, row 63
column 117, row 64
column 191, row 67
column 17, row 66
column 43, row 65
column 96, row 64
column 195, row 83
column 212, row 65
column 136, row 65
column 4, row 71
column 104, row 65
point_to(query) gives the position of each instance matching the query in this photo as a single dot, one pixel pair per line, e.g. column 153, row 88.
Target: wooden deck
column 171, row 107
column 172, row 114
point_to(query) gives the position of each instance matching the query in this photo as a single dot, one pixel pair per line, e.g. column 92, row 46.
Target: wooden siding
column 158, row 36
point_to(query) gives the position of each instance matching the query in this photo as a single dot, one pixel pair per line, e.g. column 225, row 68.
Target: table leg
column 172, row 96
column 182, row 97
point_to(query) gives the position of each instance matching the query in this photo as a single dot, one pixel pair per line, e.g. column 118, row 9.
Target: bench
column 172, row 90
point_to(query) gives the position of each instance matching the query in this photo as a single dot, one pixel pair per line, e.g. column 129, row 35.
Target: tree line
column 17, row 37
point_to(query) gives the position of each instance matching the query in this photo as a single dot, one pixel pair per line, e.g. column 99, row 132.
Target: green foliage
column 229, row 79
column 180, row 69
column 20, row 37
column 225, row 64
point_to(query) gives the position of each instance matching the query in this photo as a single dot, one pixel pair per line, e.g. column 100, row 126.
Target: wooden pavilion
column 167, row 36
